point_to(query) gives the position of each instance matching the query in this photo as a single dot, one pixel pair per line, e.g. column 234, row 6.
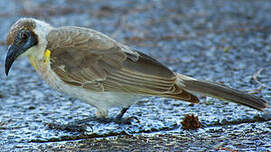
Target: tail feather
column 181, row 94
column 221, row 92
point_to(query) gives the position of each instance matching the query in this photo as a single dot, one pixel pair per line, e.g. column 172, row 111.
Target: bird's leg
column 120, row 120
column 80, row 125
column 122, row 112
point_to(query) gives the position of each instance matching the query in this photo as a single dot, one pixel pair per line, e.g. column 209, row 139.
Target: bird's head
column 26, row 37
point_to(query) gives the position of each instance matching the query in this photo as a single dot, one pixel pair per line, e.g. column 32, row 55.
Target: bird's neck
column 41, row 65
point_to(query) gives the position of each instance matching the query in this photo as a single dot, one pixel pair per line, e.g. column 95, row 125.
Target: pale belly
column 101, row 100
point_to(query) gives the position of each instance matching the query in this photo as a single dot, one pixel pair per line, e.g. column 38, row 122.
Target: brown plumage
column 78, row 59
column 89, row 65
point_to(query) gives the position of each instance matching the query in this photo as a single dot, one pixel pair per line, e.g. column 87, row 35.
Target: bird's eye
column 24, row 35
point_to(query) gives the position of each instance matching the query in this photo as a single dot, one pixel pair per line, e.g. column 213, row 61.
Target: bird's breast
column 42, row 66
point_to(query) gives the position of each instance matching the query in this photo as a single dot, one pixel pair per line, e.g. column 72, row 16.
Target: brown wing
column 89, row 59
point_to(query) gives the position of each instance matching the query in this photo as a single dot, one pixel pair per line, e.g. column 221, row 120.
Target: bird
column 89, row 65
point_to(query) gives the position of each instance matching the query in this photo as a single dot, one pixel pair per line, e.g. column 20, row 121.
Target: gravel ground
column 223, row 41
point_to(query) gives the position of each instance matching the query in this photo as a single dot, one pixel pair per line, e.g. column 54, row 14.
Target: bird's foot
column 117, row 120
column 127, row 121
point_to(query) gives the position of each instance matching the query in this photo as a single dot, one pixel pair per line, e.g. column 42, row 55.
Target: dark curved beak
column 13, row 52
column 17, row 48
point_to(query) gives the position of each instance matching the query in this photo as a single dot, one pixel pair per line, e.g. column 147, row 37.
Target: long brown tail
column 221, row 92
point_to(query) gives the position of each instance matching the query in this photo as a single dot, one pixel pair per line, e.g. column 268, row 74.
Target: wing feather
column 91, row 60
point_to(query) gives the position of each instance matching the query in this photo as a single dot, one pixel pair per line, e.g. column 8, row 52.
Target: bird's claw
column 127, row 121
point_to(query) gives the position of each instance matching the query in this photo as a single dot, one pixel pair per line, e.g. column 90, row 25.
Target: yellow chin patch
column 46, row 57
column 46, row 60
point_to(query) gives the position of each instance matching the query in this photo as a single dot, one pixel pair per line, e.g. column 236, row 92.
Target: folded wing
column 89, row 59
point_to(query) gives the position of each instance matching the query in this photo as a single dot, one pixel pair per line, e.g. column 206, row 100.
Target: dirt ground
column 223, row 41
